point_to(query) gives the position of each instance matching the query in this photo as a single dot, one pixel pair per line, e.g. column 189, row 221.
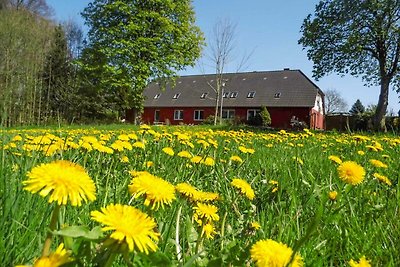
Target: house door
column 156, row 115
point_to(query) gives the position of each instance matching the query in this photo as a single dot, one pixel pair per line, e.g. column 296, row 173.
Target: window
column 156, row 115
column 226, row 94
column 176, row 96
column 234, row 94
column 203, row 95
column 157, row 96
column 251, row 94
column 228, row 113
column 199, row 115
column 251, row 113
column 277, row 95
column 178, row 115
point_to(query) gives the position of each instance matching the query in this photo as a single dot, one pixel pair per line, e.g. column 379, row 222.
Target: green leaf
column 159, row 259
column 80, row 231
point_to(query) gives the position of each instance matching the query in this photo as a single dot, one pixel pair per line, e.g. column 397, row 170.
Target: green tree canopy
column 357, row 108
column 133, row 42
column 357, row 37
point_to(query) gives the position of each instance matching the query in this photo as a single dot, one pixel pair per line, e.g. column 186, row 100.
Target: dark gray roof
column 296, row 90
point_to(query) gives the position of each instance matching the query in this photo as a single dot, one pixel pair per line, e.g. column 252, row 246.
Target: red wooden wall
column 280, row 116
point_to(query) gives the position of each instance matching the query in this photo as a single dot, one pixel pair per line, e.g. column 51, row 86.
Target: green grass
column 364, row 220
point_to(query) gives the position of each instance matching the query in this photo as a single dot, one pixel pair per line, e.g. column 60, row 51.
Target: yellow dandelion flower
column 208, row 230
column 371, row 148
column 206, row 212
column 63, row 180
column 60, row 257
column 274, row 254
column 335, row 159
column 145, row 127
column 169, row 151
column 363, row 262
column 332, row 195
column 246, row 150
column 149, row 164
column 196, row 159
column 383, row 179
column 129, row 225
column 124, row 159
column 298, row 160
column 236, row 159
column 185, row 154
column 255, row 225
column 155, row 190
column 205, row 196
column 360, row 152
column 17, row 138
column 243, row 187
column 273, row 182
column 186, row 189
column 350, row 172
column 123, row 137
column 208, row 161
column 378, row 163
column 138, row 144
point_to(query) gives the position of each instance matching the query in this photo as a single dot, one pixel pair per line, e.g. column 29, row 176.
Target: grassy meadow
column 326, row 199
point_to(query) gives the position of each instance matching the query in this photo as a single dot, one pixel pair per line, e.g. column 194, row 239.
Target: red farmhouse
column 285, row 93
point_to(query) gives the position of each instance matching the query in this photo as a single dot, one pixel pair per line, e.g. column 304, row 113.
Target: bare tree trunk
column 379, row 119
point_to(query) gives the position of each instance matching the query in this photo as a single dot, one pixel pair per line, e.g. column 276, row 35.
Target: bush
column 265, row 117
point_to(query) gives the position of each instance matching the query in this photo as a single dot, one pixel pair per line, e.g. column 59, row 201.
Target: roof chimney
column 286, row 69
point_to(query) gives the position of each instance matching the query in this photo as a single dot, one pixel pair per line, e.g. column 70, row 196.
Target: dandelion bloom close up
column 350, row 172
column 378, row 163
column 63, row 180
column 60, row 257
column 332, row 195
column 169, row 151
column 157, row 191
column 383, row 179
column 129, row 225
column 206, row 212
column 243, row 187
column 335, row 159
column 363, row 262
column 270, row 253
column 208, row 231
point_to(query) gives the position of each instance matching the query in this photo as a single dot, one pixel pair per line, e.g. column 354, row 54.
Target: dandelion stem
column 178, row 246
column 52, row 226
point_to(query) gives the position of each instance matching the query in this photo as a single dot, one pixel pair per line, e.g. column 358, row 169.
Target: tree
column 334, row 102
column 358, row 37
column 265, row 116
column 220, row 54
column 357, row 108
column 57, row 76
column 38, row 7
column 74, row 36
column 138, row 41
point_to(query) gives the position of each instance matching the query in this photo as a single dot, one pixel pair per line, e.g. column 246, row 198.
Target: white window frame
column 157, row 96
column 230, row 113
column 277, row 95
column 226, row 94
column 203, row 95
column 234, row 95
column 176, row 96
column 251, row 94
column 252, row 113
column 178, row 115
column 198, row 115
column 155, row 115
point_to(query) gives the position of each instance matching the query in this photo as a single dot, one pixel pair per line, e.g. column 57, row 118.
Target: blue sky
column 269, row 28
